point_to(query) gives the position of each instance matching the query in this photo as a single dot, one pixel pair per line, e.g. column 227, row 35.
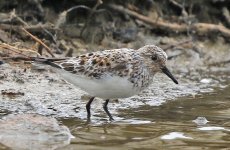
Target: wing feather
column 97, row 64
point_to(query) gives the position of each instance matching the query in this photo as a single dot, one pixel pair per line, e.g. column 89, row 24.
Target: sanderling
column 112, row 74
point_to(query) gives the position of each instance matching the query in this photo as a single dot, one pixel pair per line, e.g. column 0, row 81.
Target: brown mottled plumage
column 117, row 73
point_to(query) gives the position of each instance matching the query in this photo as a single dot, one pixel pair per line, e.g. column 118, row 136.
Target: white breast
column 108, row 87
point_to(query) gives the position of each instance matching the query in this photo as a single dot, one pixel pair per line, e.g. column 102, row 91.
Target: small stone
column 32, row 131
column 1, row 62
column 206, row 80
column 174, row 135
column 200, row 121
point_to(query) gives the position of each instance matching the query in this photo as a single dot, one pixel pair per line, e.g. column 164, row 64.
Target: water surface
column 200, row 122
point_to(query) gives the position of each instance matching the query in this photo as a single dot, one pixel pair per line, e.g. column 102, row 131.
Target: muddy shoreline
column 39, row 110
column 26, row 88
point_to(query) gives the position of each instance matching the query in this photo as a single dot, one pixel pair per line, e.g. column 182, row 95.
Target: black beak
column 168, row 73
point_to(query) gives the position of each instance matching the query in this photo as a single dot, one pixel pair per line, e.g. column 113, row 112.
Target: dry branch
column 39, row 41
column 17, row 50
column 198, row 28
column 31, row 28
column 206, row 28
column 172, row 27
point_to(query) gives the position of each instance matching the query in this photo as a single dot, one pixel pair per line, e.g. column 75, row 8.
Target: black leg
column 106, row 110
column 88, row 108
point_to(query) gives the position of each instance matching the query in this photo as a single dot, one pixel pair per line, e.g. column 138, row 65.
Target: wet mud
column 157, row 115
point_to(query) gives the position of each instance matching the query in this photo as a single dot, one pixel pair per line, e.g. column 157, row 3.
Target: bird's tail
column 48, row 61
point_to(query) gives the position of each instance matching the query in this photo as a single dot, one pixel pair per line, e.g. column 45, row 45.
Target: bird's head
column 155, row 59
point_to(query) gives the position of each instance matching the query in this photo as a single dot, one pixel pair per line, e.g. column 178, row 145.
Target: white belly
column 107, row 88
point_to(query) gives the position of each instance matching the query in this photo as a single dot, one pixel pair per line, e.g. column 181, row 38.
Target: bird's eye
column 154, row 57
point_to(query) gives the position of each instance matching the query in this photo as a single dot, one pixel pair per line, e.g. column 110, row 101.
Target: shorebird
column 113, row 74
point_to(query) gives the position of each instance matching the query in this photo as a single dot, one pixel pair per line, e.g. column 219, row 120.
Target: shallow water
column 202, row 122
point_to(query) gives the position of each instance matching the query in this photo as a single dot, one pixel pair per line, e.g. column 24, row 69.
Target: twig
column 62, row 16
column 176, row 4
column 53, row 37
column 31, row 28
column 12, row 18
column 177, row 44
column 205, row 28
column 17, row 58
column 39, row 41
column 27, row 58
column 14, row 15
column 16, row 49
column 181, row 6
column 226, row 14
column 99, row 2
